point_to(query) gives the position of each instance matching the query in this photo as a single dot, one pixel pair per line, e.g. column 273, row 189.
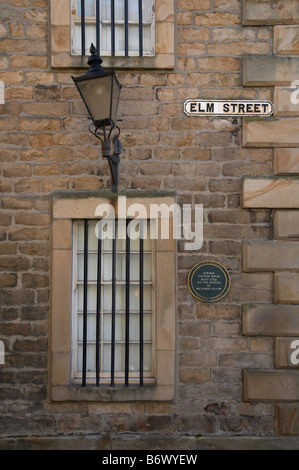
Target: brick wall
column 45, row 146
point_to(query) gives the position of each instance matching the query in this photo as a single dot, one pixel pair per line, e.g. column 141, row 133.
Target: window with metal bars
column 116, row 27
column 113, row 307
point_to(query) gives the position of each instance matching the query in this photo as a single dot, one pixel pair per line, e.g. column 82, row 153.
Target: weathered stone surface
column 56, row 443
column 272, row 193
column 286, row 161
column 246, row 443
column 286, row 40
column 284, row 104
column 287, row 419
column 265, row 12
column 269, row 385
column 163, row 442
column 270, row 320
column 271, row 132
column 286, row 352
column 270, row 255
column 286, row 224
column 269, row 70
column 286, row 288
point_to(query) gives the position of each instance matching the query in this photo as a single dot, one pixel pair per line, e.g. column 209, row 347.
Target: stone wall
column 230, row 355
column 278, row 192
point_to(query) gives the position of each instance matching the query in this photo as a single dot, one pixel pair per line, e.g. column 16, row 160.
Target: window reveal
column 117, row 27
column 113, row 306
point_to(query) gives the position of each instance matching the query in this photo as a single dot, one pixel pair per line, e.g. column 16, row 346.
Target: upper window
column 127, row 33
column 117, row 27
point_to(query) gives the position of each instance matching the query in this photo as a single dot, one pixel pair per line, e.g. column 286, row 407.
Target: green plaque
column 208, row 281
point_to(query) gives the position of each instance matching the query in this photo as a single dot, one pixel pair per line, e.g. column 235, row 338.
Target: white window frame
column 105, row 377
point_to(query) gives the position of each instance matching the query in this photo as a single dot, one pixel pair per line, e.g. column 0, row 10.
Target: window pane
column 119, row 10
column 120, row 298
column 134, row 298
column 121, row 235
column 119, row 365
column 119, row 38
column 133, row 10
column 91, row 267
column 90, row 358
column 134, row 327
column 91, row 298
column 90, row 36
column 134, row 358
column 89, row 8
column 108, row 235
column 134, row 38
column 120, row 327
column 106, row 10
column 121, row 267
column 92, row 239
column 91, row 327
column 134, row 267
column 147, row 10
column 120, row 321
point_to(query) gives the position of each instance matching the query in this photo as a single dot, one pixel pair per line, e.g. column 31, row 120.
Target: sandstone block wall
column 278, row 192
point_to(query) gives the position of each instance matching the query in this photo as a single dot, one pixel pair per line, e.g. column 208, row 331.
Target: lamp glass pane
column 96, row 93
column 115, row 98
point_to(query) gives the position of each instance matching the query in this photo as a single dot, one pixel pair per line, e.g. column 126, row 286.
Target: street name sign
column 241, row 108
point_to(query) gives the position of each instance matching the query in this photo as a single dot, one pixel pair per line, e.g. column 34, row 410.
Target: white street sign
column 228, row 108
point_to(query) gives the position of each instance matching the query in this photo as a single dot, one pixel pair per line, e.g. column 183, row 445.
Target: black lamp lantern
column 100, row 91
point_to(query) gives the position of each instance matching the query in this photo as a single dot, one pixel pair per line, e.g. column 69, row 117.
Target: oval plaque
column 208, row 281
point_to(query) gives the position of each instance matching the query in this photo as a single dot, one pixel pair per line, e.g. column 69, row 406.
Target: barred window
column 116, row 27
column 113, row 306
column 113, row 309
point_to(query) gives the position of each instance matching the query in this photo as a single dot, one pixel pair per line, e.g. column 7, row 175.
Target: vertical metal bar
column 113, row 305
column 85, row 280
column 98, row 321
column 98, row 25
column 127, row 339
column 141, row 303
column 112, row 28
column 140, row 28
column 83, row 27
column 126, row 28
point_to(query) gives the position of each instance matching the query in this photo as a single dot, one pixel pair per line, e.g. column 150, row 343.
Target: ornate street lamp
column 100, row 91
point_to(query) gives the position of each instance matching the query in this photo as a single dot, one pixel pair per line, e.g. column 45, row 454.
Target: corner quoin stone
column 271, row 132
column 265, row 12
column 286, row 288
column 270, row 320
column 271, row 193
column 286, row 224
column 270, row 255
column 269, row 385
column 269, row 70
